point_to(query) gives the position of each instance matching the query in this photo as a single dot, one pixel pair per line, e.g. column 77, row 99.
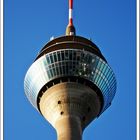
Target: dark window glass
column 66, row 55
column 74, row 56
column 109, row 76
column 90, row 59
column 106, row 70
column 55, row 58
column 60, row 69
column 63, row 67
column 53, row 65
column 57, row 70
column 58, row 55
column 70, row 55
column 87, row 58
column 67, row 67
column 78, row 56
column 54, row 72
column 62, row 55
column 51, row 73
column 82, row 55
column 51, row 58
column 70, row 67
column 48, row 60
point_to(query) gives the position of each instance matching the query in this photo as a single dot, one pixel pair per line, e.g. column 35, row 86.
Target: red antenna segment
column 70, row 30
column 70, row 12
column 70, row 4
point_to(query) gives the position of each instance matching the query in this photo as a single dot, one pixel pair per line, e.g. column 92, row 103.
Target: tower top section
column 70, row 30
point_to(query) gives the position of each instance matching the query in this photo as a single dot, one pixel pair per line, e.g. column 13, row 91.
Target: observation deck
column 71, row 59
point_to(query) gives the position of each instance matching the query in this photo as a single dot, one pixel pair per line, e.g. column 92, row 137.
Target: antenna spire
column 70, row 30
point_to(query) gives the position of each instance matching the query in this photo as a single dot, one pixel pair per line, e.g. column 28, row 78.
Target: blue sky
column 28, row 26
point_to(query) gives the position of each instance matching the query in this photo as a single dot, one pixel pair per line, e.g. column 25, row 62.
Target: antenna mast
column 70, row 30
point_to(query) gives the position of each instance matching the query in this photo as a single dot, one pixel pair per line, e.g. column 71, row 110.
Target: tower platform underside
column 70, row 107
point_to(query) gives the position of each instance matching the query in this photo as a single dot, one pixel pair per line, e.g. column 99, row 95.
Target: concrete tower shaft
column 70, row 107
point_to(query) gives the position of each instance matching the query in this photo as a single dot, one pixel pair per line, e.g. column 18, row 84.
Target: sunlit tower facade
column 70, row 83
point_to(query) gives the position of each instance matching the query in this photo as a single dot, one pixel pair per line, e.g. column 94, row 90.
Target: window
column 58, row 55
column 55, row 57
column 51, row 58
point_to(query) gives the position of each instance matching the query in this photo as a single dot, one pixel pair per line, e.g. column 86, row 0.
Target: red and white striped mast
column 70, row 30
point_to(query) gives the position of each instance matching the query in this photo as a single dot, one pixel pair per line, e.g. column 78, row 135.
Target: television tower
column 70, row 83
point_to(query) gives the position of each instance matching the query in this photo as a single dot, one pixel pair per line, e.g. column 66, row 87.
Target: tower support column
column 69, row 128
column 69, row 107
